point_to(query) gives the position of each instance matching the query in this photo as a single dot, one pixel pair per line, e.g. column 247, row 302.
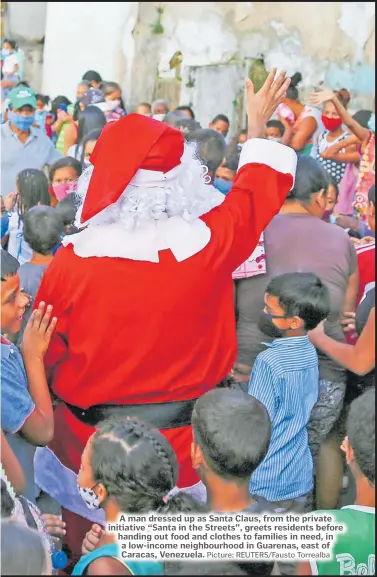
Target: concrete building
column 196, row 52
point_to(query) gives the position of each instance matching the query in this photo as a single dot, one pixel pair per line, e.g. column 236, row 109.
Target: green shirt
column 354, row 550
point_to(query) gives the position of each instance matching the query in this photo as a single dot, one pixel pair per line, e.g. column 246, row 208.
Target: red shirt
column 140, row 332
column 367, row 266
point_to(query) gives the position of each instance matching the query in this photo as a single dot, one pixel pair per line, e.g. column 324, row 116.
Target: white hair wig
column 185, row 191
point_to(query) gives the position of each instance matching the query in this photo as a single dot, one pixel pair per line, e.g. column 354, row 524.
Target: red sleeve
column 265, row 176
column 54, row 290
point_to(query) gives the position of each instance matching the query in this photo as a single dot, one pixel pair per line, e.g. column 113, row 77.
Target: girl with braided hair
column 127, row 467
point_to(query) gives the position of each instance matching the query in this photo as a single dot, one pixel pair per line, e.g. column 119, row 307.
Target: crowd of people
column 188, row 320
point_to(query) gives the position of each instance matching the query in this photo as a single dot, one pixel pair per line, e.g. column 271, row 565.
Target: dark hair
column 23, row 83
column 208, row 568
column 243, row 131
column 146, row 104
column 303, row 295
column 67, row 209
column 361, row 425
column 55, row 104
column 7, row 503
column 292, row 92
column 311, row 177
column 211, row 147
column 109, row 87
column 66, row 161
column 188, row 109
column 45, row 99
column 172, row 117
column 90, row 118
column 9, row 265
column 232, row 162
column 220, row 117
column 187, row 125
column 233, row 431
column 22, row 550
column 33, row 189
column 138, row 467
column 362, row 117
column 12, row 43
column 43, row 227
column 93, row 135
column 92, row 76
column 276, row 124
column 372, row 195
column 334, row 184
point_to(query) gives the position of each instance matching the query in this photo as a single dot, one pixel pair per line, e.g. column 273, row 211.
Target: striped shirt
column 285, row 380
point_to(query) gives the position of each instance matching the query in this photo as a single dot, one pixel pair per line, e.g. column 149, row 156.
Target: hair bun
column 296, row 79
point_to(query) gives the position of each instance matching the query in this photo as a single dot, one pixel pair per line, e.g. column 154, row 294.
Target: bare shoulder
column 107, row 566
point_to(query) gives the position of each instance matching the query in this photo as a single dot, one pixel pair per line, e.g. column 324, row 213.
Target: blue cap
column 59, row 560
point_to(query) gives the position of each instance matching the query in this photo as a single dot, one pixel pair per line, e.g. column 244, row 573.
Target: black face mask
column 267, row 327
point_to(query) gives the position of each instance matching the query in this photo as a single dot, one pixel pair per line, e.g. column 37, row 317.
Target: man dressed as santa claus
column 143, row 294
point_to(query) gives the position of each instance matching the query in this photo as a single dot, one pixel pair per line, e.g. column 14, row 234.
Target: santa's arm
column 265, row 176
column 54, row 290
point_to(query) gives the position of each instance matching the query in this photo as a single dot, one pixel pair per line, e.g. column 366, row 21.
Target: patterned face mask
column 89, row 497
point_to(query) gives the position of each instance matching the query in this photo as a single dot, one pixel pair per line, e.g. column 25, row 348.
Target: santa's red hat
column 134, row 142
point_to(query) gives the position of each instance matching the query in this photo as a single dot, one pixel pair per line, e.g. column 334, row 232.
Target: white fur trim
column 183, row 238
column 273, row 154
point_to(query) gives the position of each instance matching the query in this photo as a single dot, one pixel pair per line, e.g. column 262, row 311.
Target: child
column 354, row 549
column 31, row 190
column 226, row 173
column 26, row 410
column 285, row 379
column 22, row 551
column 274, row 130
column 43, row 227
column 64, row 174
column 128, row 467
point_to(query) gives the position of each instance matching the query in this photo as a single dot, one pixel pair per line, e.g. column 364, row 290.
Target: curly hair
column 138, row 467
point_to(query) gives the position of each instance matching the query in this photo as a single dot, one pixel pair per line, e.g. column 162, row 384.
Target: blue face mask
column 23, row 123
column 4, row 224
column 372, row 123
column 5, row 52
column 222, row 185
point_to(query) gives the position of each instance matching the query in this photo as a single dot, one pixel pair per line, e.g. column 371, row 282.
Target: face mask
column 372, row 123
column 274, row 138
column 331, row 123
column 267, row 326
column 5, row 52
column 222, row 185
column 112, row 104
column 89, row 497
column 62, row 190
column 239, row 146
column 159, row 117
column 4, row 225
column 23, row 123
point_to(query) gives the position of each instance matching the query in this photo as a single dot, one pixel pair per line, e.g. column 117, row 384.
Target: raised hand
column 38, row 332
column 261, row 105
column 318, row 98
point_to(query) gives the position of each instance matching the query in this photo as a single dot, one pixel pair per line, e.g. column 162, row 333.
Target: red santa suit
column 145, row 304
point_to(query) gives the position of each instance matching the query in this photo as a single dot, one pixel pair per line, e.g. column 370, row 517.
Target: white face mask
column 159, row 117
column 274, row 138
column 89, row 497
column 112, row 104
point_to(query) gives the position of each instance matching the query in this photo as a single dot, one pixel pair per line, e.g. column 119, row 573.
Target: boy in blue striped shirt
column 285, row 379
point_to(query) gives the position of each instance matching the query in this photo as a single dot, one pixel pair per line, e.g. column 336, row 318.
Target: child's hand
column 10, row 201
column 38, row 332
column 55, row 526
column 91, row 539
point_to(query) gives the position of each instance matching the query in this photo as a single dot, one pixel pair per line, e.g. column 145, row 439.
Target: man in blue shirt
column 285, row 380
column 23, row 146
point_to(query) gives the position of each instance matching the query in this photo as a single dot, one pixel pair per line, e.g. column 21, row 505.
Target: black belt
column 158, row 415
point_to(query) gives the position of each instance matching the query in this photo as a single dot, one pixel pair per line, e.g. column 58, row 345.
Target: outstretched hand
column 261, row 105
column 318, row 98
